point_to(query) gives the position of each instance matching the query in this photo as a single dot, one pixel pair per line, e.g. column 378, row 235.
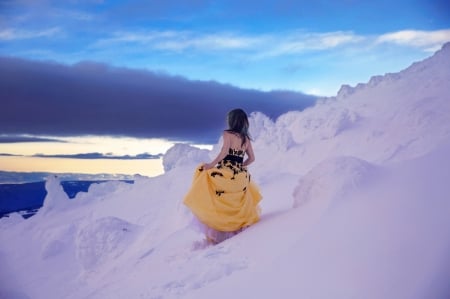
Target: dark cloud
column 101, row 156
column 9, row 155
column 89, row 98
column 18, row 139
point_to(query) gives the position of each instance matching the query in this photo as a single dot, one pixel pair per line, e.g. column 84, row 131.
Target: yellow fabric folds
column 224, row 198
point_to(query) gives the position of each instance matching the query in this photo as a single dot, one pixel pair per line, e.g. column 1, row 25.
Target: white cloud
column 315, row 91
column 15, row 34
column 128, row 37
column 181, row 40
column 301, row 42
column 263, row 45
column 226, row 41
column 209, row 42
column 429, row 40
column 270, row 45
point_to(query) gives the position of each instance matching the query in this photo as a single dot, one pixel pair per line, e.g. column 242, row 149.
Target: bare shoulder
column 227, row 135
column 230, row 135
column 226, row 138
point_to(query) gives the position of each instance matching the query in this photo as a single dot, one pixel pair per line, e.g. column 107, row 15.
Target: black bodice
column 236, row 156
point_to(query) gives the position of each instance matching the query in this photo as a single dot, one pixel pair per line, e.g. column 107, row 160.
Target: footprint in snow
column 216, row 251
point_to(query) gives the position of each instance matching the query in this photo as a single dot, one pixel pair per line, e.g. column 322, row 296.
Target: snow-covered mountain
column 356, row 205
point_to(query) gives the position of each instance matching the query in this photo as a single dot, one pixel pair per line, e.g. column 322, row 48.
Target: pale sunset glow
column 145, row 167
column 19, row 157
column 89, row 144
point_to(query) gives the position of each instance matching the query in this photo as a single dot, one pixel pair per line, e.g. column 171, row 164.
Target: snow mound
column 270, row 133
column 56, row 199
column 333, row 179
column 103, row 239
column 102, row 190
column 12, row 220
column 56, row 240
column 183, row 154
column 323, row 121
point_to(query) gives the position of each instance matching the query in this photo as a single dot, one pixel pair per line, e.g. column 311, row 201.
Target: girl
column 222, row 195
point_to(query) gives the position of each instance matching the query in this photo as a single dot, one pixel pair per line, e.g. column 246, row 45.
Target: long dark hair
column 238, row 123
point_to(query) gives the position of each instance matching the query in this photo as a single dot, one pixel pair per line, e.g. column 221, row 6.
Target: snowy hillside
column 356, row 205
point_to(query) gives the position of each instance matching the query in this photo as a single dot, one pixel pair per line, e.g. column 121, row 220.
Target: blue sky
column 308, row 46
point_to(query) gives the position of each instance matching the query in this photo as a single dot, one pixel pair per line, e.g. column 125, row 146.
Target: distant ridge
column 11, row 177
column 432, row 63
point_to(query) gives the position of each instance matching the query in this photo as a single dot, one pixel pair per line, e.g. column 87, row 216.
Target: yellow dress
column 224, row 198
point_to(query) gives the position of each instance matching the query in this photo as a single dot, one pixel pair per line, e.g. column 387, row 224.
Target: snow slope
column 356, row 205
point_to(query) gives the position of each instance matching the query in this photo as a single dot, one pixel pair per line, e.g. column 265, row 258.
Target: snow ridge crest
column 437, row 60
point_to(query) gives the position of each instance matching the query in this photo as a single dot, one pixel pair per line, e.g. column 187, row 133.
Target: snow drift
column 356, row 204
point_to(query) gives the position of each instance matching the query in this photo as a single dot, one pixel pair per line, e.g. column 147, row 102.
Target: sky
column 171, row 70
column 307, row 46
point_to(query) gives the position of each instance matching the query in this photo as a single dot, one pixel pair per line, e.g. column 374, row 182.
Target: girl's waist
column 233, row 158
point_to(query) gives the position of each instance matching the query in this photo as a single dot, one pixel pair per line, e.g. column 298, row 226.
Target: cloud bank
column 9, row 155
column 431, row 41
column 265, row 45
column 101, row 156
column 45, row 98
column 19, row 139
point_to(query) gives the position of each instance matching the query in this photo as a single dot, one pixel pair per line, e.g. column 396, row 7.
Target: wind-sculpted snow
column 100, row 191
column 183, row 154
column 324, row 121
column 102, row 240
column 355, row 205
column 12, row 220
column 387, row 239
column 272, row 134
column 56, row 198
column 333, row 179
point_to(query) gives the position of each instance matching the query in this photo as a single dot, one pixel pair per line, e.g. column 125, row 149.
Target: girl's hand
column 207, row 166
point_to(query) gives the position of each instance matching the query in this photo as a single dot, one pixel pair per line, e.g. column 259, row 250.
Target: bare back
column 235, row 141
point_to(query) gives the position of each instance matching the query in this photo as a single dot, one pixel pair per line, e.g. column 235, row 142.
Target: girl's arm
column 250, row 154
column 223, row 152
